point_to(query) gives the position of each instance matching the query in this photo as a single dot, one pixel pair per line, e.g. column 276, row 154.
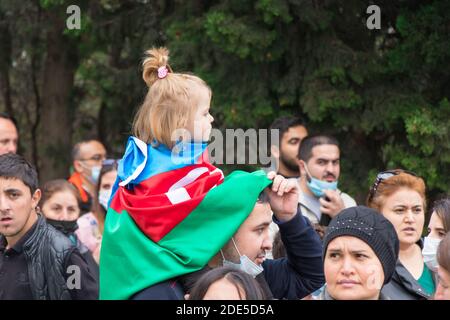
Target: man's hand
column 283, row 196
column 334, row 206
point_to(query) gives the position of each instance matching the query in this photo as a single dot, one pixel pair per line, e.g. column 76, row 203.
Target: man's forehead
column 92, row 148
column 12, row 183
column 295, row 132
column 7, row 127
column 261, row 213
column 326, row 151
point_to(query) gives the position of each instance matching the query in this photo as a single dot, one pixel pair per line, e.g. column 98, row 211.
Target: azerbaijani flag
column 169, row 214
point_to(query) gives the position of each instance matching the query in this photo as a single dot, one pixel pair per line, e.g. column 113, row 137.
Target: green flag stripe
column 130, row 261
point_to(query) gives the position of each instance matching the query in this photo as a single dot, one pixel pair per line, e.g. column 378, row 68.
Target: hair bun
column 154, row 59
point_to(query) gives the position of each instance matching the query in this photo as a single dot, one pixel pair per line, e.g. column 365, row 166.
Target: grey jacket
column 403, row 286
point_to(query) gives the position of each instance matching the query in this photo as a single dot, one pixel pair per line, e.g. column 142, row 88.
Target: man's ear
column 275, row 151
column 35, row 198
column 301, row 166
column 77, row 166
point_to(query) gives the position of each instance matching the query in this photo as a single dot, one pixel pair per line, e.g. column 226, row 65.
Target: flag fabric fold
column 169, row 215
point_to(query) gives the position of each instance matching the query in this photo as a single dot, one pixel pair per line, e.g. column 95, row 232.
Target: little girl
column 171, row 127
column 166, row 217
column 174, row 101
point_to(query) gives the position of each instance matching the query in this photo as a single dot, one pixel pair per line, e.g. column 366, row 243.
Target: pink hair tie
column 162, row 72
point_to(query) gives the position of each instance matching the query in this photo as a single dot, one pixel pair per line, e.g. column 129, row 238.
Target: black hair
column 14, row 166
column 283, row 124
column 278, row 249
column 263, row 197
column 243, row 282
column 305, row 150
column 442, row 209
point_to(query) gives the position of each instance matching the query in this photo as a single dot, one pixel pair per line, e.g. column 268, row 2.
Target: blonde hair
column 391, row 185
column 169, row 104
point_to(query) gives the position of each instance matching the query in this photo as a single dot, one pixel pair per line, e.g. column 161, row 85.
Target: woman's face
column 62, row 206
column 436, row 227
column 405, row 210
column 223, row 290
column 443, row 286
column 107, row 180
column 352, row 270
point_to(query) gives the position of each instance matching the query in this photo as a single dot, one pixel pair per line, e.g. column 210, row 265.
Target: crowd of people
column 149, row 227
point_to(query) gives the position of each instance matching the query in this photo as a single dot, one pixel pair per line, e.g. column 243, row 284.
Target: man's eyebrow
column 11, row 190
column 323, row 159
column 262, row 225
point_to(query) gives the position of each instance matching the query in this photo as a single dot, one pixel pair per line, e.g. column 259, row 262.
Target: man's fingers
column 282, row 187
column 292, row 184
column 325, row 210
column 331, row 194
column 324, row 203
column 271, row 175
column 276, row 183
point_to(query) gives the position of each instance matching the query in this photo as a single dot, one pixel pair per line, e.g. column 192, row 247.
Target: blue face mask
column 95, row 174
column 317, row 186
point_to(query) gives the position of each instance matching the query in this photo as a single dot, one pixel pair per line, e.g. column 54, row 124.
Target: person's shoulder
column 348, row 200
column 57, row 239
column 87, row 219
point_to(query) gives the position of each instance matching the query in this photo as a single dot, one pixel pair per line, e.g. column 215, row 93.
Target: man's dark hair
column 278, row 250
column 241, row 280
column 14, row 166
column 263, row 197
column 305, row 150
column 283, row 124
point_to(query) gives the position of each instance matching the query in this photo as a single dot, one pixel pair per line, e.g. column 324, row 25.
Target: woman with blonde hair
column 400, row 196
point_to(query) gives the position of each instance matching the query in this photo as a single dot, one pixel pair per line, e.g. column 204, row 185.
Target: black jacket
column 293, row 277
column 48, row 254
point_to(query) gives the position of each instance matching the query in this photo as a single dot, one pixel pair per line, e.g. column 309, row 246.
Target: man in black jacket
column 36, row 261
column 293, row 277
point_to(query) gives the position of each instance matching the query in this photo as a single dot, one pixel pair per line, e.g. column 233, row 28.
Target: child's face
column 200, row 128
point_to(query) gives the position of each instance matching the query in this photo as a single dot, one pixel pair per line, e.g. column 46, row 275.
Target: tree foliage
column 383, row 93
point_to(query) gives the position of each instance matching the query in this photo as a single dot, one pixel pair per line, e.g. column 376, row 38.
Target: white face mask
column 103, row 198
column 246, row 265
column 429, row 251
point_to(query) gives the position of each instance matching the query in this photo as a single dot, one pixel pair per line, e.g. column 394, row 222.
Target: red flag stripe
column 157, row 208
